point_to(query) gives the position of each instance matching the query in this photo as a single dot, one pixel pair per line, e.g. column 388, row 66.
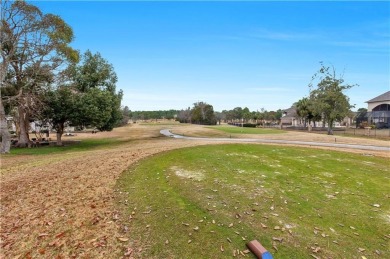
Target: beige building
column 378, row 110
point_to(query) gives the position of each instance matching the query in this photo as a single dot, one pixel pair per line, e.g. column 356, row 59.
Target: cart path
column 168, row 133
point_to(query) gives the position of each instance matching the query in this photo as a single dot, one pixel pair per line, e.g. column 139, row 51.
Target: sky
column 255, row 54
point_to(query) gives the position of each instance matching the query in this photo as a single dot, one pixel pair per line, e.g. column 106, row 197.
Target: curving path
column 168, row 133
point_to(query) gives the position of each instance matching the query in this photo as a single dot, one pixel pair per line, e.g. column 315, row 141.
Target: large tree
column 203, row 113
column 87, row 96
column 327, row 96
column 33, row 46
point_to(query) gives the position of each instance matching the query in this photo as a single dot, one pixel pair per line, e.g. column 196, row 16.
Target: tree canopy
column 33, row 46
column 327, row 96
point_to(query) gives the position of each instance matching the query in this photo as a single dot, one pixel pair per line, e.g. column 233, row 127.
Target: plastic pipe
column 258, row 250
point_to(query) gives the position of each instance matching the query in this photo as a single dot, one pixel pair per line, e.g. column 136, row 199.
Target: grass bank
column 207, row 202
column 242, row 130
column 70, row 146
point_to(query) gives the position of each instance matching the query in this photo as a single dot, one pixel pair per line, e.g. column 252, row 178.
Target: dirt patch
column 196, row 175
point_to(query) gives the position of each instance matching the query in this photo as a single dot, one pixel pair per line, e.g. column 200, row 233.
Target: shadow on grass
column 71, row 146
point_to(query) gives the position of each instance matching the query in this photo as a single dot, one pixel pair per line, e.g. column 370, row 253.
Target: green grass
column 242, row 130
column 83, row 145
column 210, row 194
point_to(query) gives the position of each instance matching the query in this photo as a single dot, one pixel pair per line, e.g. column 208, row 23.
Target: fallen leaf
column 230, row 225
column 376, row 205
column 315, row 249
column 263, row 226
column 60, row 235
column 280, row 239
column 43, row 235
column 276, row 228
column 228, row 239
column 189, row 241
column 129, row 251
column 196, row 228
column 361, row 249
column 123, row 239
column 167, row 242
column 222, row 248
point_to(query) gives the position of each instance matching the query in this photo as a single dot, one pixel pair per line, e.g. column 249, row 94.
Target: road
column 168, row 133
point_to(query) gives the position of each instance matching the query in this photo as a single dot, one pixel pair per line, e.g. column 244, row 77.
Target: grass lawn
column 208, row 201
column 77, row 146
column 242, row 130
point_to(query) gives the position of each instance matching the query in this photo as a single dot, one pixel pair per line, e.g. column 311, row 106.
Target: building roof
column 290, row 112
column 381, row 98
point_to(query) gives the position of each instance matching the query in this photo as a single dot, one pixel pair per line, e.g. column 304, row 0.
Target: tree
column 184, row 116
column 219, row 116
column 203, row 113
column 304, row 111
column 61, row 106
column 87, row 98
column 328, row 98
column 361, row 116
column 33, row 46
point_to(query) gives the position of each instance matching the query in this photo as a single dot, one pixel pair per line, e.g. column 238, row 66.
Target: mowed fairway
column 242, row 130
column 208, row 201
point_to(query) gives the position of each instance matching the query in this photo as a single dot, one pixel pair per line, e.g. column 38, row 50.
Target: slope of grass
column 242, row 130
column 207, row 202
column 77, row 146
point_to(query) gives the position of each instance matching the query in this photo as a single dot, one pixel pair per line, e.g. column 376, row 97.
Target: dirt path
column 63, row 205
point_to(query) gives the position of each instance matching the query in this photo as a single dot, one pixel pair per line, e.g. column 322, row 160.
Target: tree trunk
column 60, row 131
column 330, row 126
column 4, row 133
column 23, row 120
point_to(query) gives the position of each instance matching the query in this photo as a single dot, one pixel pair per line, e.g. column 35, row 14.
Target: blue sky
column 254, row 54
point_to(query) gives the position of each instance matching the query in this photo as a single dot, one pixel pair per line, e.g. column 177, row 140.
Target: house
column 378, row 111
column 290, row 117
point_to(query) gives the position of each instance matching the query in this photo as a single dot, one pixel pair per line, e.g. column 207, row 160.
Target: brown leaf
column 43, row 235
column 222, row 248
column 280, row 239
column 60, row 235
column 129, row 251
column 123, row 239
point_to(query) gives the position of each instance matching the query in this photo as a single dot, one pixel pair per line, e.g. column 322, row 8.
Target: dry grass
column 63, row 205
